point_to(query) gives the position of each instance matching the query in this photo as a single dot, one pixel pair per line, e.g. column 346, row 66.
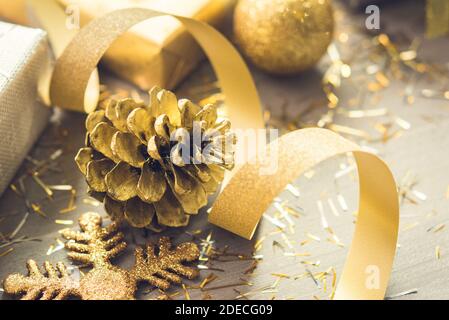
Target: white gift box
column 24, row 57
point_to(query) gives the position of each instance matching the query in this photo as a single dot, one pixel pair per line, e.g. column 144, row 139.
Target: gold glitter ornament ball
column 284, row 36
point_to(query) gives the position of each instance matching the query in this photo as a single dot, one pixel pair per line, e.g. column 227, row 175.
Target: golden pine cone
column 134, row 160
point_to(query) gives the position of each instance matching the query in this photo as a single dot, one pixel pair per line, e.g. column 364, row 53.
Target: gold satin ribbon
column 247, row 194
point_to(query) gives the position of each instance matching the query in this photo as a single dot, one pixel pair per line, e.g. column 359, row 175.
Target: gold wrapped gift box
column 155, row 52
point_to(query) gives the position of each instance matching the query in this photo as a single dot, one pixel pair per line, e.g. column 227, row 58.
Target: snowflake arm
column 167, row 267
column 55, row 284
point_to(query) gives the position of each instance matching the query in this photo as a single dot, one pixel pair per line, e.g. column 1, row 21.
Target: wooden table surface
column 422, row 151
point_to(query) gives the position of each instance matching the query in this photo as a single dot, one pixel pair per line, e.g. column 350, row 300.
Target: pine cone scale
column 140, row 123
column 168, row 107
column 169, row 212
column 151, row 186
column 95, row 118
column 122, row 182
column 83, row 157
column 115, row 209
column 191, row 201
column 127, row 147
column 101, row 137
column 138, row 213
column 96, row 173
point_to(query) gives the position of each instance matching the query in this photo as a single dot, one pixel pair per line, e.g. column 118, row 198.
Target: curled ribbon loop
column 53, row 19
column 248, row 194
column 374, row 242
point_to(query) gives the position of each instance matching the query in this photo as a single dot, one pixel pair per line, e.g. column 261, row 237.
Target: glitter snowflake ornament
column 96, row 246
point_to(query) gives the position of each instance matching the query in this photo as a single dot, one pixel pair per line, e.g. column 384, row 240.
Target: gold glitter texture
column 96, row 246
column 284, row 36
column 55, row 284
